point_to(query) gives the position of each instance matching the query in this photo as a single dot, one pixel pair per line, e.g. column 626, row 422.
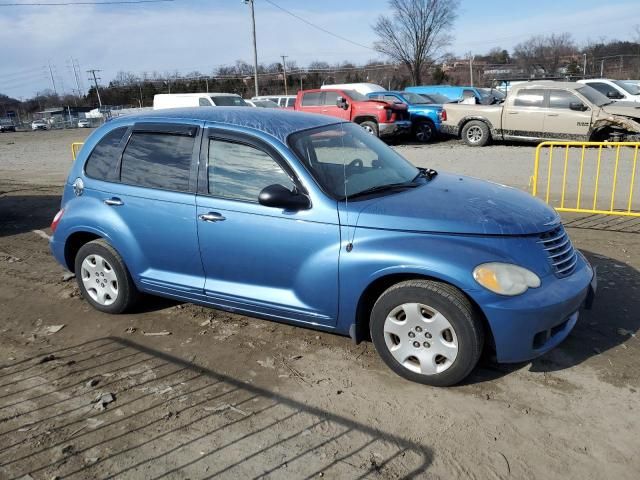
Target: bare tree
column 416, row 32
column 545, row 53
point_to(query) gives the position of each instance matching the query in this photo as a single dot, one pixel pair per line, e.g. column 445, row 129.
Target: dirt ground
column 228, row 396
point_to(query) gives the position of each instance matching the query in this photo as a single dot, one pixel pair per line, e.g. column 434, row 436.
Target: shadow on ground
column 23, row 213
column 170, row 418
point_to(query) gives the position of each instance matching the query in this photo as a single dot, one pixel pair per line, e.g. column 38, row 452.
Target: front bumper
column 400, row 127
column 530, row 325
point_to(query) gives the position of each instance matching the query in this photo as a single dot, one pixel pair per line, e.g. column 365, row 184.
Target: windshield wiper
column 427, row 173
column 383, row 188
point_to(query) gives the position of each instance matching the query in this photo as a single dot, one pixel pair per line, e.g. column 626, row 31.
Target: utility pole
column 584, row 66
column 602, row 68
column 284, row 71
column 471, row 69
column 52, row 80
column 255, row 48
column 95, row 82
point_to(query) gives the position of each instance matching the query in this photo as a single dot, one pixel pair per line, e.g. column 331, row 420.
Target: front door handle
column 552, row 114
column 512, row 113
column 113, row 202
column 211, row 217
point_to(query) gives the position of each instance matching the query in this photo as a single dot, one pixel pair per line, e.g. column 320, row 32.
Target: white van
column 363, row 88
column 283, row 101
column 181, row 100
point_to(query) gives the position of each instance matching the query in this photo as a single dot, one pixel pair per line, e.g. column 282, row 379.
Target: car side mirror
column 612, row 94
column 578, row 106
column 279, row 196
column 342, row 103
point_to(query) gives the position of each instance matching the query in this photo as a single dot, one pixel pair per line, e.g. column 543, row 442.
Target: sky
column 189, row 35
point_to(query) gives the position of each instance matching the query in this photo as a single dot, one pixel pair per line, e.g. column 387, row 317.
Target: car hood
column 456, row 204
column 627, row 109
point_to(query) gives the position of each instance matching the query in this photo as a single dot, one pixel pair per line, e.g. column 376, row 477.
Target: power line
column 319, row 27
column 66, row 4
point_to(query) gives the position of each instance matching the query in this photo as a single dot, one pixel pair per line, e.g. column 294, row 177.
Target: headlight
column 505, row 278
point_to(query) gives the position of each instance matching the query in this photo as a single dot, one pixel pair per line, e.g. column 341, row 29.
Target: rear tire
column 104, row 279
column 427, row 332
column 476, row 133
column 370, row 127
column 424, row 131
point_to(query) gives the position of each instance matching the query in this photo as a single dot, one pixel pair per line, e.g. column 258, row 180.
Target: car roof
column 548, row 84
column 275, row 122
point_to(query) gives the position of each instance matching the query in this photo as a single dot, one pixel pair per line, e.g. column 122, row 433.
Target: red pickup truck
column 378, row 117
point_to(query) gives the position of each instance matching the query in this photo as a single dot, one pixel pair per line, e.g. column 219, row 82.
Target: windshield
column 357, row 96
column 345, row 160
column 436, row 98
column 628, row 87
column 593, row 96
column 414, row 98
column 230, row 101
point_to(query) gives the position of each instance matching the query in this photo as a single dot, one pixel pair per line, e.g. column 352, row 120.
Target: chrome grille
column 562, row 255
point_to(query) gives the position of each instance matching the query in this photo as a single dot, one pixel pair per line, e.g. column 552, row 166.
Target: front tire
column 370, row 127
column 427, row 332
column 104, row 279
column 476, row 133
column 425, row 131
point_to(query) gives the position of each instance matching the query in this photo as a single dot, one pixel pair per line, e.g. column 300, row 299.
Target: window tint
column 529, row 98
column 158, row 160
column 103, row 161
column 601, row 87
column 203, row 102
column 312, row 99
column 240, row 172
column 562, row 99
column 229, row 101
column 291, row 102
column 330, row 98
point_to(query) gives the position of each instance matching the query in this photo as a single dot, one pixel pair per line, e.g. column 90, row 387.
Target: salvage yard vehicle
column 614, row 89
column 545, row 110
column 379, row 118
column 425, row 116
column 182, row 100
column 456, row 94
column 262, row 103
column 310, row 220
column 283, row 101
column 39, row 125
column 7, row 125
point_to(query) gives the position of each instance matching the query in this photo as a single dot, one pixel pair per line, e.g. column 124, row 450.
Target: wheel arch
column 365, row 118
column 74, row 243
column 360, row 328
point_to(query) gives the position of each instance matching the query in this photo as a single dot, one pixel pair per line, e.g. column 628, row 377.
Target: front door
column 563, row 123
column 330, row 107
column 523, row 116
column 259, row 259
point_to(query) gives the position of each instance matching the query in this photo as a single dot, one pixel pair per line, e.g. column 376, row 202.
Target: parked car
column 39, row 125
column 182, row 100
column 262, row 103
column 309, row 220
column 377, row 117
column 283, row 101
column 456, row 94
column 545, row 110
column 84, row 123
column 362, row 88
column 614, row 89
column 7, row 126
column 425, row 116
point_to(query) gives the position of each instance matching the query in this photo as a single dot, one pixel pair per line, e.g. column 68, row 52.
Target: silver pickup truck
column 545, row 110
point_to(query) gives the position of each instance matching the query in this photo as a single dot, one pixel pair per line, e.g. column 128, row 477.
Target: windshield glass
column 436, row 98
column 593, row 95
column 230, row 101
column 411, row 97
column 345, row 160
column 628, row 87
column 357, row 96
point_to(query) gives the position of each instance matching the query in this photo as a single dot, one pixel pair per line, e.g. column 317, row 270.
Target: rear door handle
column 211, row 217
column 553, row 114
column 113, row 202
column 512, row 113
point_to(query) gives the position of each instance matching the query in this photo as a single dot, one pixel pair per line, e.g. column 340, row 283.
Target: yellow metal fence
column 587, row 177
column 75, row 148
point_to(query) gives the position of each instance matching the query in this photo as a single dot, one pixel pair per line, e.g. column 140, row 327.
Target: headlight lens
column 505, row 278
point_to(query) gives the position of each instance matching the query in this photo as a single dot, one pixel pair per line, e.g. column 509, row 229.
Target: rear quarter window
column 103, row 160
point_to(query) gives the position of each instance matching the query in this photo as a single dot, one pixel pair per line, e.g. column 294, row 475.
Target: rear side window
column 158, row 160
column 529, row 98
column 203, row 102
column 562, row 99
column 291, row 102
column 103, row 161
column 312, row 99
column 240, row 172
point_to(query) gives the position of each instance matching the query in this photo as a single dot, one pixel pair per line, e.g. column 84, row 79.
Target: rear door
column 312, row 102
column 523, row 114
column 264, row 260
column 560, row 122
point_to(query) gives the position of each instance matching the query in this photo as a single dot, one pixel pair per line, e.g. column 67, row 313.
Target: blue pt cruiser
column 308, row 220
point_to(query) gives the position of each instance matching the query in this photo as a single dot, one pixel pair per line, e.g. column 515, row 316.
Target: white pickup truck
column 545, row 110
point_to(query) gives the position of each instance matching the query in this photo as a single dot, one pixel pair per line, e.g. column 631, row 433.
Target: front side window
column 603, row 88
column 345, row 160
column 158, row 160
column 529, row 98
column 103, row 161
column 229, row 101
column 240, row 172
column 312, row 99
column 562, row 99
column 330, row 98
